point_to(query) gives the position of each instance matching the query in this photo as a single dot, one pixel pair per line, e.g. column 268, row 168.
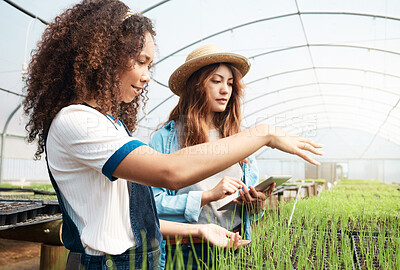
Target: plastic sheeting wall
column 272, row 167
column 24, row 170
column 387, row 171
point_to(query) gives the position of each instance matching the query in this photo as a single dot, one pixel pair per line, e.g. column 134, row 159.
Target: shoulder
column 161, row 137
column 164, row 132
column 252, row 158
column 81, row 120
column 78, row 114
column 168, row 127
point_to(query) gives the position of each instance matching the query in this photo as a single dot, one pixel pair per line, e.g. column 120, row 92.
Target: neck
column 93, row 104
column 209, row 121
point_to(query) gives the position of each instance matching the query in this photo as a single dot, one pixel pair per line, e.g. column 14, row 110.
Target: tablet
column 263, row 186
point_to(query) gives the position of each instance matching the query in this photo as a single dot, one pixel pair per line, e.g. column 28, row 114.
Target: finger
column 234, row 181
column 309, row 145
column 231, row 189
column 238, row 202
column 261, row 196
column 311, row 149
column 233, row 240
column 258, row 195
column 237, row 241
column 229, row 234
column 242, row 197
column 314, row 144
column 311, row 142
column 253, row 192
column 271, row 188
column 247, row 194
column 306, row 157
column 244, row 242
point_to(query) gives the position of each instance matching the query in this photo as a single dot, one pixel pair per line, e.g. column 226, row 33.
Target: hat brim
column 177, row 80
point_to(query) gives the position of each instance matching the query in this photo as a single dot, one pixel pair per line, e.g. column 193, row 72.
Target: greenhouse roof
column 316, row 65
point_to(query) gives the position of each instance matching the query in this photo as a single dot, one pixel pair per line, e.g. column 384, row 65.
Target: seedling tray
column 326, row 249
column 12, row 212
column 370, row 242
column 23, row 212
column 51, row 207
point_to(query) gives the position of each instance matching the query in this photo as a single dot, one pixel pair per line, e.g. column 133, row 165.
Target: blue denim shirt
column 187, row 207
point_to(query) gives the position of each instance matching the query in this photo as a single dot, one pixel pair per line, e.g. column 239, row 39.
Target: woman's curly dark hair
column 79, row 58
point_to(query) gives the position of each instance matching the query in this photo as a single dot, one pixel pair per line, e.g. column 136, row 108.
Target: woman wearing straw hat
column 210, row 89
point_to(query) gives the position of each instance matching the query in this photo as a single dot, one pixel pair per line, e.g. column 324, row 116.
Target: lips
column 222, row 100
column 136, row 90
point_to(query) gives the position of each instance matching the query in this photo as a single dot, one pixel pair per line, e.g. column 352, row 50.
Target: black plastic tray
column 13, row 211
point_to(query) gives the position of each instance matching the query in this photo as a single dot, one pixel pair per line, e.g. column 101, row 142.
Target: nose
column 224, row 88
column 145, row 77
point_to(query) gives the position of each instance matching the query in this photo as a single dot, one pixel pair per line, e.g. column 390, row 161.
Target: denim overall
column 145, row 227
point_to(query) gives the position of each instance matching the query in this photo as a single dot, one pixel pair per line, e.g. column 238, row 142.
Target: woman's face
column 219, row 88
column 134, row 79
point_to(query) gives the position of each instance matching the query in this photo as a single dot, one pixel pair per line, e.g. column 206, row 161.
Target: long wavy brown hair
column 193, row 107
column 80, row 57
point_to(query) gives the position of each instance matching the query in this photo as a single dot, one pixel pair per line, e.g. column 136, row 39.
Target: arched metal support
column 275, row 18
column 280, row 17
column 3, row 137
column 324, row 45
column 293, row 109
column 284, row 73
column 156, row 107
column 154, row 6
column 320, row 83
column 380, row 127
column 337, row 105
column 25, row 11
column 358, row 127
column 322, row 68
column 322, row 121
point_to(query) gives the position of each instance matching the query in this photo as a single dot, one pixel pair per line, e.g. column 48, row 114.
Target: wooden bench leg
column 53, row 257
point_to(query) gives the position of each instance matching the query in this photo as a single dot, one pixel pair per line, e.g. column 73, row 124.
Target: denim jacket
column 187, row 207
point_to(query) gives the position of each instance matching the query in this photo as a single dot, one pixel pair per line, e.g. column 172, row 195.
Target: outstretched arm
column 192, row 164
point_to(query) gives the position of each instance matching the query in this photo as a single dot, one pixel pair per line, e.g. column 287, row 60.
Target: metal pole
column 3, row 137
column 25, row 11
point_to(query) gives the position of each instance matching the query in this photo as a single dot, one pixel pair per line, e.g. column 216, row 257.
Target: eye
column 216, row 81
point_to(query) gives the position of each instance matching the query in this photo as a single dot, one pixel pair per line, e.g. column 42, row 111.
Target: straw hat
column 201, row 57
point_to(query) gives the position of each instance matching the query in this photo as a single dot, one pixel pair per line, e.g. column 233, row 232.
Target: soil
column 19, row 255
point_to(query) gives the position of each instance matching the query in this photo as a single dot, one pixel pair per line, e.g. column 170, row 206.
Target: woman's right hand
column 227, row 186
column 293, row 144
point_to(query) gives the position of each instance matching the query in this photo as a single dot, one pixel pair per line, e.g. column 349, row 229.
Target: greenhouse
column 324, row 70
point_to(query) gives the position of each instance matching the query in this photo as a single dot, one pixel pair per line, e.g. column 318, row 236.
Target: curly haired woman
column 84, row 85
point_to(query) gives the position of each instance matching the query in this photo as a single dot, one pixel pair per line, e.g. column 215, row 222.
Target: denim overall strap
column 70, row 234
column 144, row 218
column 143, row 214
column 245, row 224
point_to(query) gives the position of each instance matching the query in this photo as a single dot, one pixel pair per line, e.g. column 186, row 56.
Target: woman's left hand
column 254, row 199
column 221, row 237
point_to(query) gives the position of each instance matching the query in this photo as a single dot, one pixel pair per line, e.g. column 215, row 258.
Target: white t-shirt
column 84, row 147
